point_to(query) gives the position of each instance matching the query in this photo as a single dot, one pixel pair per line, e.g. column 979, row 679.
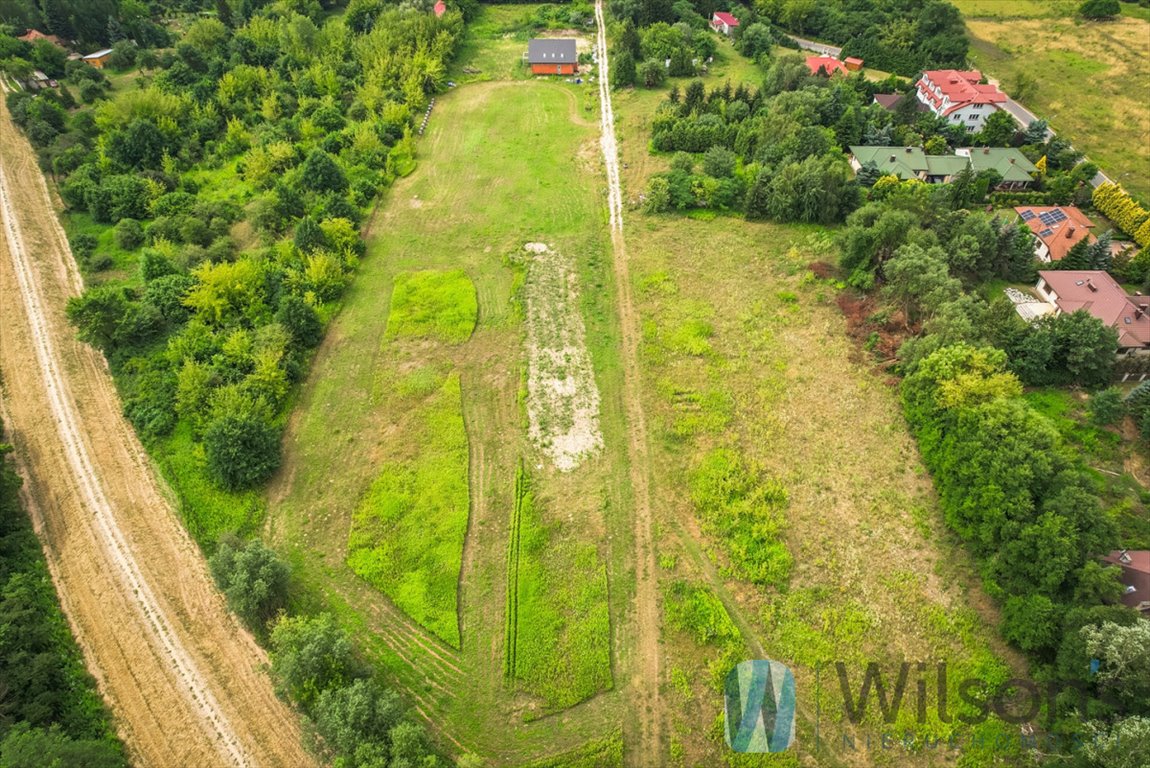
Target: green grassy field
column 407, row 534
column 561, row 641
column 1090, row 78
column 745, row 356
column 433, row 303
column 502, row 164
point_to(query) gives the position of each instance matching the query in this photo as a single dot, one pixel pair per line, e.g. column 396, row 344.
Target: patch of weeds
column 744, row 513
column 407, row 534
column 433, row 303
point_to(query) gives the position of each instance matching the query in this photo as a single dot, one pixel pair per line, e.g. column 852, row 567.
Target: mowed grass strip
column 407, row 534
column 432, row 303
column 562, row 627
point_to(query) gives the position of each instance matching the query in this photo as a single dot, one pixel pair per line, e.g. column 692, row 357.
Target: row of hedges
column 1116, row 204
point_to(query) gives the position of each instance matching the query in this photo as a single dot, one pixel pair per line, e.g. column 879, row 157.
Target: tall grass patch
column 558, row 623
column 433, row 303
column 745, row 513
column 407, row 533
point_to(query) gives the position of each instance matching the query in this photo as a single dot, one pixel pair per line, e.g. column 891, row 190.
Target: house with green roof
column 913, row 163
column 1008, row 162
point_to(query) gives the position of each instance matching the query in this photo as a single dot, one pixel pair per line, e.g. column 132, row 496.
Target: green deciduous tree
column 242, row 448
column 253, row 579
column 310, row 655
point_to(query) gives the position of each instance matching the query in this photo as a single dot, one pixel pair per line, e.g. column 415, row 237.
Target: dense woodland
column 235, row 175
column 50, row 710
column 899, row 36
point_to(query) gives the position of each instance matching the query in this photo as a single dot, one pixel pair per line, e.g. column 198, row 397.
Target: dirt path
column 183, row 679
column 647, row 746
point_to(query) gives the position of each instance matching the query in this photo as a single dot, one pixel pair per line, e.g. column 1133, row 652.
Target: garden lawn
column 407, row 534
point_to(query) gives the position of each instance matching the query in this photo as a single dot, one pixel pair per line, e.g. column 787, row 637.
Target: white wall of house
column 972, row 117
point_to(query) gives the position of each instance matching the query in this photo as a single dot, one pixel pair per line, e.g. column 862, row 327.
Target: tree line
column 50, row 710
column 308, row 116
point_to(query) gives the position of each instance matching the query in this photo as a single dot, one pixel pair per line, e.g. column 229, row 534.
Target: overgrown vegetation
column 235, row 177
column 407, row 534
column 50, row 710
column 559, row 634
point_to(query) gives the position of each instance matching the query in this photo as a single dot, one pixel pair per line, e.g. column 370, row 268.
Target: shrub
column 242, row 450
column 129, row 234
column 1099, row 9
column 83, row 245
column 253, row 579
column 1105, row 407
column 310, row 655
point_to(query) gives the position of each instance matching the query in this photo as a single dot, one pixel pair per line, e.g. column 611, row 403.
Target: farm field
column 748, row 375
column 504, row 163
column 1081, row 72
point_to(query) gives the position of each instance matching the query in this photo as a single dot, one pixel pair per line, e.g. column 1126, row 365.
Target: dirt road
column 184, row 680
column 646, row 747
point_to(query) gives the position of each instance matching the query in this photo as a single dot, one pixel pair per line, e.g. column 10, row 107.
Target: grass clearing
column 561, row 628
column 501, row 164
column 433, row 303
column 407, row 534
column 1091, row 77
column 747, row 365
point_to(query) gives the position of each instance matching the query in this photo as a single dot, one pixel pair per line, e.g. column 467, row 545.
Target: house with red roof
column 959, row 96
column 723, row 22
column 1056, row 229
column 1096, row 292
column 1135, row 577
column 440, row 8
column 32, row 35
column 828, row 64
column 854, row 63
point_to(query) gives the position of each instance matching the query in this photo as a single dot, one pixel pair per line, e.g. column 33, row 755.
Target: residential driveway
column 823, row 48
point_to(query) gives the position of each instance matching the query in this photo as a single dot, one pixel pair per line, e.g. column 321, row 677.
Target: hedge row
column 1117, row 205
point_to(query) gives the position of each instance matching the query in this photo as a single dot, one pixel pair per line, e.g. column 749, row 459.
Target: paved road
column 823, row 48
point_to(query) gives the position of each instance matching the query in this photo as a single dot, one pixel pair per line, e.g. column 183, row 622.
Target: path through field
column 646, row 747
column 184, row 680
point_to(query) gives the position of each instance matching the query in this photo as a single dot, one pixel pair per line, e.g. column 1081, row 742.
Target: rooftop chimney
column 893, row 158
column 1093, row 288
column 909, row 150
column 1069, row 233
column 1012, row 161
column 1124, row 556
column 986, row 151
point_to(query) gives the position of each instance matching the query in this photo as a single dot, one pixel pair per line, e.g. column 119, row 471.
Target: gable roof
column 551, row 51
column 904, row 162
column 98, row 54
column 960, row 87
column 1096, row 292
column 853, row 60
column 829, row 64
column 726, row 18
column 1010, row 164
column 1060, row 227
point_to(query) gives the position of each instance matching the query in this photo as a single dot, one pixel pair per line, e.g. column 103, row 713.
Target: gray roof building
column 547, row 51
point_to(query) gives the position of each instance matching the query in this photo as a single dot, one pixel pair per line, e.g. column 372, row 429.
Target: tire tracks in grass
column 647, row 745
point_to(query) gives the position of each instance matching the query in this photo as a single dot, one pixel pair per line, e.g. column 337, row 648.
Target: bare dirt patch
column 562, row 397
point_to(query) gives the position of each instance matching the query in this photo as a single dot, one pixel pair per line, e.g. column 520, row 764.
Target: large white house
column 959, row 97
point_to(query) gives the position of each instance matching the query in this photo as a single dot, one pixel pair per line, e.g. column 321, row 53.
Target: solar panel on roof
column 1046, row 233
column 1051, row 218
column 1027, row 215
